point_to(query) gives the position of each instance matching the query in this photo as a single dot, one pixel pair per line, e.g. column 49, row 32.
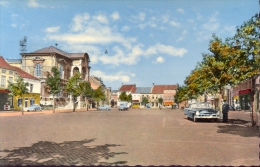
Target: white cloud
column 101, row 18
column 212, row 24
column 115, row 16
column 79, row 21
column 125, row 28
column 175, row 24
column 120, row 76
column 141, row 16
column 4, row 3
column 14, row 25
column 160, row 59
column 166, row 49
column 34, row 4
column 52, row 29
column 180, row 10
column 165, row 18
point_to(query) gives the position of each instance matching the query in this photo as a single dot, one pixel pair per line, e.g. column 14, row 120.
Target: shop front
column 245, row 99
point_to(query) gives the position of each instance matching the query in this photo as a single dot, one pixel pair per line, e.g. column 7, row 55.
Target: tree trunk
column 220, row 102
column 53, row 106
column 74, row 104
column 253, row 120
column 22, row 106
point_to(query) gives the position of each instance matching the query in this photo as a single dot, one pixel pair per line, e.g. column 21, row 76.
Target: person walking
column 225, row 110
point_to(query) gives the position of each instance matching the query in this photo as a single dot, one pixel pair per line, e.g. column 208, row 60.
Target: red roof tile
column 161, row 88
column 24, row 74
column 4, row 64
column 128, row 88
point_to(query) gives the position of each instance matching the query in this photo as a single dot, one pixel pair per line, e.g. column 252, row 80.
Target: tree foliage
column 18, row 88
column 75, row 87
column 53, row 84
column 99, row 94
column 145, row 100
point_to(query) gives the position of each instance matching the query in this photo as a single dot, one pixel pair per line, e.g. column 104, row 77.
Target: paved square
column 134, row 137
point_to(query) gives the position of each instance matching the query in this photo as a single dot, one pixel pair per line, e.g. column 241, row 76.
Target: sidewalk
column 17, row 113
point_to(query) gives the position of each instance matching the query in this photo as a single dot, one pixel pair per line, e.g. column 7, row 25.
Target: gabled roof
column 144, row 90
column 4, row 64
column 24, row 74
column 52, row 49
column 160, row 88
column 128, row 88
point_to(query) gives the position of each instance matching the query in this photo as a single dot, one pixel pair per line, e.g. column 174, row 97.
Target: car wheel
column 35, row 109
column 186, row 116
column 107, row 109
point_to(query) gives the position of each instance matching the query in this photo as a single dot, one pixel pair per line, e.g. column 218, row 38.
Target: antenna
column 23, row 45
column 56, row 45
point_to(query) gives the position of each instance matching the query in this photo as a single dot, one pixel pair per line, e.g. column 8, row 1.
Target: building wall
column 27, row 100
column 5, row 76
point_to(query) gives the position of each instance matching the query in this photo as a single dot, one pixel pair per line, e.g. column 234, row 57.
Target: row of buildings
column 152, row 94
column 33, row 67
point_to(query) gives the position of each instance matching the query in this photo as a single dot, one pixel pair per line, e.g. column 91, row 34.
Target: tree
column 129, row 98
column 160, row 100
column 246, row 40
column 19, row 88
column 123, row 96
column 87, row 91
column 53, row 84
column 145, row 100
column 75, row 87
column 99, row 94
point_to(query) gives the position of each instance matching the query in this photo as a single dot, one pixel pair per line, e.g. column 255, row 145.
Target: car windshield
column 201, row 105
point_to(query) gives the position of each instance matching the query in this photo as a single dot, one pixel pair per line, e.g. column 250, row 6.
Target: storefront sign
column 4, row 91
column 246, row 91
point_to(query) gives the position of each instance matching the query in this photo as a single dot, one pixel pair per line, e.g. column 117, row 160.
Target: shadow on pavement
column 66, row 153
column 234, row 127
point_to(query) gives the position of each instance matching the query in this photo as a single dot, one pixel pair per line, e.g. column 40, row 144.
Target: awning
column 168, row 103
column 245, row 91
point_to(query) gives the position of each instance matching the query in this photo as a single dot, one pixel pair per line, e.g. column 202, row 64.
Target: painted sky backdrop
column 146, row 41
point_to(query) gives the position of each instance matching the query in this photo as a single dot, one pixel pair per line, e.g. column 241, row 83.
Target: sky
column 147, row 42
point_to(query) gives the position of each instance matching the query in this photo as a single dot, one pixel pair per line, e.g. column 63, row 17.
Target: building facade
column 39, row 63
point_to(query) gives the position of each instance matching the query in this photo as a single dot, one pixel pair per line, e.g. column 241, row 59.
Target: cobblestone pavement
column 134, row 137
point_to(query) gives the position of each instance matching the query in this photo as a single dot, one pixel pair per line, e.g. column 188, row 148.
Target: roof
column 128, row 88
column 161, row 88
column 143, row 90
column 52, row 49
column 24, row 74
column 4, row 64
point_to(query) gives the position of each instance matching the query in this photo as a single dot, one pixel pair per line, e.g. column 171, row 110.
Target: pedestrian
column 225, row 110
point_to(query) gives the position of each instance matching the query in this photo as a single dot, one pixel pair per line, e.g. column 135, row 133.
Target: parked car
column 238, row 107
column 34, row 107
column 104, row 107
column 123, row 107
column 231, row 108
column 201, row 110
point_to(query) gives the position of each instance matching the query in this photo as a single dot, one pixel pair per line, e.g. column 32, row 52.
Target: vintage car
column 103, row 107
column 201, row 110
column 34, row 107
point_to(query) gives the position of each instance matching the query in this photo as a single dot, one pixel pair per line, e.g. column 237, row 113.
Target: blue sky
column 147, row 41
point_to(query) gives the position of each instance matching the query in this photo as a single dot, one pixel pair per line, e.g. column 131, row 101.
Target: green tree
column 87, row 92
column 123, row 96
column 75, row 87
column 53, row 84
column 145, row 101
column 160, row 100
column 129, row 98
column 18, row 88
column 246, row 40
column 99, row 94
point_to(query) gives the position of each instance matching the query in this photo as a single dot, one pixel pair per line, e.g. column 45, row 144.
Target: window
column 10, row 79
column 19, row 102
column 3, row 80
column 61, row 71
column 11, row 72
column 26, row 102
column 31, row 87
column 38, row 70
column 3, row 70
column 32, row 101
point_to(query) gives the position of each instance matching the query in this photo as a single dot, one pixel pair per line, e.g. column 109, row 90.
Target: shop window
column 19, row 102
column 32, row 101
